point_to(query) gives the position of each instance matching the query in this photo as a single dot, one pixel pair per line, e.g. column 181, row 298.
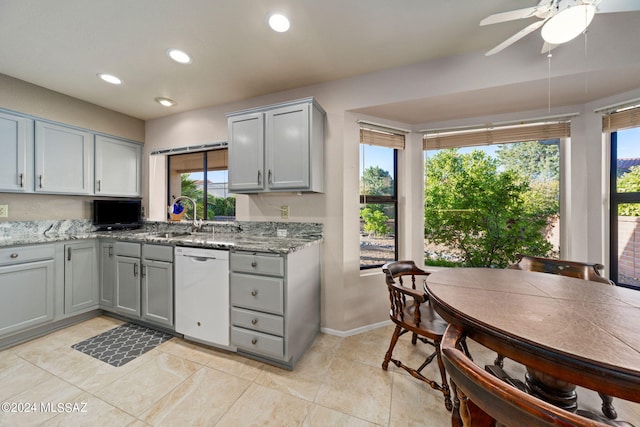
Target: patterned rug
column 122, row 344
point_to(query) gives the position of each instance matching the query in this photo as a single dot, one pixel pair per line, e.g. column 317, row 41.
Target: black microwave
column 117, row 214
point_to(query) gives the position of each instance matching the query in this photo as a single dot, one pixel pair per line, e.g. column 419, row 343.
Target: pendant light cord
column 549, row 81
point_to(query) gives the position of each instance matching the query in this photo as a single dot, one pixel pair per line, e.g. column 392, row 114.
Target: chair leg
column 445, row 384
column 499, row 361
column 394, row 339
column 607, row 407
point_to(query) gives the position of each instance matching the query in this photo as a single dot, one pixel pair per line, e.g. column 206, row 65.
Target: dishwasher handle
column 200, row 258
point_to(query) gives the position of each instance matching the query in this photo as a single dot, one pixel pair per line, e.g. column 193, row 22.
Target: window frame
column 385, row 200
column 205, row 170
column 616, row 199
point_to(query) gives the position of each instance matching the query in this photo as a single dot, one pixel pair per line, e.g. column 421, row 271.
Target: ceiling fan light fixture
column 568, row 24
column 166, row 102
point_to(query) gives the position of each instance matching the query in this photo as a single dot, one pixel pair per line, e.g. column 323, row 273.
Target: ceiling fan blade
column 611, row 6
column 517, row 36
column 509, row 16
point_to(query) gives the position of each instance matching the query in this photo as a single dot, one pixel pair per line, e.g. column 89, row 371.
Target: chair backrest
column 579, row 270
column 497, row 399
column 401, row 277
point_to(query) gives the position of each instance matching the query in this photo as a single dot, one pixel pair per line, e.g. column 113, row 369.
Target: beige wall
column 20, row 96
column 350, row 299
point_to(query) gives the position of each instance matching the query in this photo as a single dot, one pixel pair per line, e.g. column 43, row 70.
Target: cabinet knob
column 254, row 264
column 254, row 321
column 199, row 324
column 254, row 341
column 14, row 255
column 254, row 293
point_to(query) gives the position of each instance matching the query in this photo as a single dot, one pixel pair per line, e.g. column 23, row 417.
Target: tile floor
column 338, row 382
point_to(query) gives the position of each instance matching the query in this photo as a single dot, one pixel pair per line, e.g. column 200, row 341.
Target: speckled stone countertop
column 246, row 236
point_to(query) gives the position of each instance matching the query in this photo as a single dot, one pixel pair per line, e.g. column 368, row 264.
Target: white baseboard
column 355, row 331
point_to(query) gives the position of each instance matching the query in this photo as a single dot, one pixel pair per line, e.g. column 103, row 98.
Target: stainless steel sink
column 171, row 234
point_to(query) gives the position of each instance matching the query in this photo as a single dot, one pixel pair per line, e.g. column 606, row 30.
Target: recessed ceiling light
column 279, row 22
column 179, row 56
column 109, row 78
column 166, row 102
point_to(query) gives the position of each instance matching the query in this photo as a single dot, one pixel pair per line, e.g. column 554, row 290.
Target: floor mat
column 122, row 344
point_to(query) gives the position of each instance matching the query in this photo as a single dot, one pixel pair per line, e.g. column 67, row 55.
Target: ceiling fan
column 561, row 20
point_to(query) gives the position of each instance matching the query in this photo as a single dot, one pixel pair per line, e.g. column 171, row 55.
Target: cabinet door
column 80, row 277
column 107, row 274
column 64, row 160
column 127, row 300
column 157, row 292
column 246, row 153
column 287, row 147
column 16, row 140
column 26, row 295
column 118, row 167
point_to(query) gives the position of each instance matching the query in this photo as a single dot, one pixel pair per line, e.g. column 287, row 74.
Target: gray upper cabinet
column 246, row 153
column 16, row 161
column 277, row 148
column 117, row 167
column 63, row 159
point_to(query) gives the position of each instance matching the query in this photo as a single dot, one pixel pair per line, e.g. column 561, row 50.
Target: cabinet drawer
column 249, row 262
column 21, row 254
column 257, row 292
column 128, row 249
column 257, row 342
column 257, row 321
column 157, row 252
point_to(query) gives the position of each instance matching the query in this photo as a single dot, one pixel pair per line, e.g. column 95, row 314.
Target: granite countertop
column 229, row 238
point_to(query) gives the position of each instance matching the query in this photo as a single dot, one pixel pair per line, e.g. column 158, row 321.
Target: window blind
column 622, row 119
column 381, row 138
column 496, row 135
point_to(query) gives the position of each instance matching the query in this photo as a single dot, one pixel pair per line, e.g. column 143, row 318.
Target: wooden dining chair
column 482, row 400
column 413, row 314
column 579, row 270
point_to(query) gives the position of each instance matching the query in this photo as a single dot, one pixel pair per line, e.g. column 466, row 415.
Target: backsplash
column 82, row 226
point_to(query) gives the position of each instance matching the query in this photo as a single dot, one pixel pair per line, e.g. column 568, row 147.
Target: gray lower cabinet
column 26, row 287
column 275, row 303
column 127, row 275
column 157, row 284
column 80, row 276
column 107, row 271
column 142, row 281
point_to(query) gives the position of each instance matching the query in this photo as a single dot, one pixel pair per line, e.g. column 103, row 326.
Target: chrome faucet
column 197, row 224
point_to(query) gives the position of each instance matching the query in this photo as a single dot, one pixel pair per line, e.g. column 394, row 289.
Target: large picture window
column 203, row 177
column 492, row 193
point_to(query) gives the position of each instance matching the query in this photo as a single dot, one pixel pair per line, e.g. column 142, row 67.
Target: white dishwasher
column 202, row 295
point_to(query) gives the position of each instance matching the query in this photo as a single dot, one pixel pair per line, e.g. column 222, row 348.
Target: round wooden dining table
column 578, row 331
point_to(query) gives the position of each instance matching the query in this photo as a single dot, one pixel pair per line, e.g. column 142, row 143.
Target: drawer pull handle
column 254, row 293
column 14, row 255
column 254, row 264
column 254, row 321
column 254, row 341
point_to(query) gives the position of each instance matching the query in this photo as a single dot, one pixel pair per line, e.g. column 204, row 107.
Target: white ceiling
column 63, row 44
